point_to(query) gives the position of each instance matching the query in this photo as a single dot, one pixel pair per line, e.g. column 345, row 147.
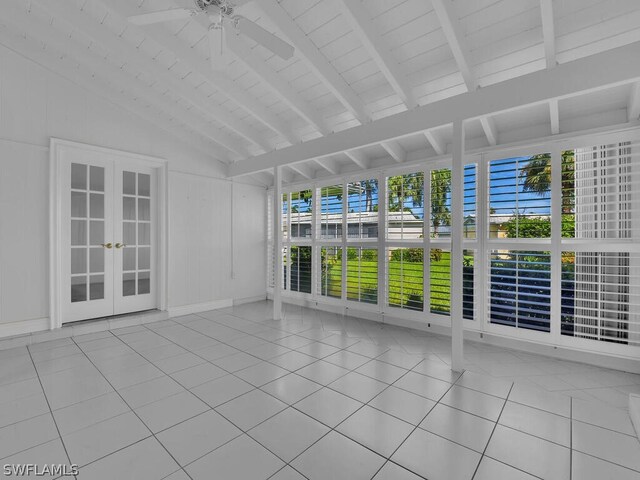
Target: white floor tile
column 291, row 388
column 385, row 372
column 402, row 404
column 84, row 414
column 221, row 390
column 335, row 456
column 437, row 370
column 586, row 467
column 198, row 436
column 170, row 411
column 322, row 372
column 179, row 362
column 328, row 406
column 491, row 469
column 532, row 454
column 391, row 471
column 532, row 396
column 250, row 409
column 423, row 385
column 49, row 453
column 288, row 433
column 376, row 430
column 262, row 373
column 472, row 401
column 598, row 414
column 436, row 458
column 242, row 458
column 27, row 434
column 318, row 350
column 400, row 359
column 536, row 422
column 485, row 384
column 346, row 359
column 194, row 376
column 606, row 444
column 148, row 392
column 461, row 427
column 237, row 361
column 358, row 386
column 23, row 408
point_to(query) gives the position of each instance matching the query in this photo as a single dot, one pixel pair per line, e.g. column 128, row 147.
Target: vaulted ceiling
column 355, row 61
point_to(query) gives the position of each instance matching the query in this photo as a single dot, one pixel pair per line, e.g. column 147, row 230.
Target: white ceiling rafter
column 597, row 72
column 360, row 20
column 359, row 158
column 241, row 50
column 105, row 37
column 395, row 150
column 548, row 32
column 436, row 142
column 48, row 34
column 56, row 62
column 490, row 130
column 304, row 169
column 220, row 80
column 329, row 164
column 318, row 63
column 633, row 107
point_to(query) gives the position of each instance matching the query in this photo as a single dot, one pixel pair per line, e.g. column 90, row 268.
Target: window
column 468, row 284
column 300, row 216
column 362, row 206
column 440, row 202
column 405, row 209
column 520, row 289
column 405, row 278
column 470, row 193
column 330, row 212
column 520, row 197
column 440, row 281
column 300, row 268
column 331, row 272
column 362, row 274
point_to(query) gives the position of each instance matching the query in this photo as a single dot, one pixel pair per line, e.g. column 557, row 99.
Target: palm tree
column 404, row 189
column 537, row 177
column 440, row 190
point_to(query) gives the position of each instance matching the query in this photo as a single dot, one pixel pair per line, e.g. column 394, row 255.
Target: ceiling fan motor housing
column 225, row 7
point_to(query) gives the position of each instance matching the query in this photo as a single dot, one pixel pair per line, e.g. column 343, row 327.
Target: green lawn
column 405, row 283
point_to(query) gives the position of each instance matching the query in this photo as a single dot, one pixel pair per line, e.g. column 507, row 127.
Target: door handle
column 120, row 245
column 107, row 245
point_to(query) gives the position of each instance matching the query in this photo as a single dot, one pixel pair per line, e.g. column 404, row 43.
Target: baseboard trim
column 200, row 307
column 23, row 327
column 242, row 301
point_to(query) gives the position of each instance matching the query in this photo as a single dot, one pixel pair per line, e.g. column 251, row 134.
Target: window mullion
column 556, row 243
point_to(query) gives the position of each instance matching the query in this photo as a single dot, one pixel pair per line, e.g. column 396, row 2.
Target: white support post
column 457, row 220
column 277, row 243
column 382, row 242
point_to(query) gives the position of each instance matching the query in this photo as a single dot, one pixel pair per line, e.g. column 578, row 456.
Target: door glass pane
column 78, row 204
column 78, row 289
column 128, row 284
column 96, row 287
column 78, row 260
column 129, row 259
column 97, row 179
column 144, row 209
column 96, row 233
column 144, row 258
column 78, row 176
column 96, row 205
column 144, row 283
column 144, row 185
column 96, row 260
column 129, row 183
column 144, row 234
column 129, row 233
column 128, row 208
column 78, row 232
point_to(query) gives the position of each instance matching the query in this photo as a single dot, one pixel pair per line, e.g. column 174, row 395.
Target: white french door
column 108, row 236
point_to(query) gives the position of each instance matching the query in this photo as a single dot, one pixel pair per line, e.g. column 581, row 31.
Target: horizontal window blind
column 362, row 206
column 330, row 218
column 300, row 214
column 362, row 274
column 440, row 203
column 405, row 278
column 440, row 281
column 468, row 284
column 470, row 196
column 520, row 289
column 300, row 269
column 331, row 272
column 405, row 206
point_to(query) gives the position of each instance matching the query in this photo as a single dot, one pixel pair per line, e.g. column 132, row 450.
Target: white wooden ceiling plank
column 436, row 142
column 489, row 128
column 304, row 169
column 329, row 164
column 360, row 21
column 395, row 150
column 359, row 158
column 548, row 32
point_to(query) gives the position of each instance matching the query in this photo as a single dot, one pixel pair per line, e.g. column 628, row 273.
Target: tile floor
column 233, row 394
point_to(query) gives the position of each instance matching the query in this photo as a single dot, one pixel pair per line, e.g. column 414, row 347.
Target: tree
column 440, row 190
column 405, row 192
column 537, row 177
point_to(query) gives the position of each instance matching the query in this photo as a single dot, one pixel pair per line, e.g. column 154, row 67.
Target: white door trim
column 56, row 148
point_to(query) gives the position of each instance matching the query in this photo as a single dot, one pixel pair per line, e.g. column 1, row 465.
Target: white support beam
column 604, row 70
column 287, row 175
column 200, row 65
column 277, row 244
column 436, row 142
column 548, row 32
column 132, row 56
column 329, row 164
column 448, row 18
column 490, row 130
column 633, row 107
column 239, row 47
column 49, row 35
column 457, row 225
column 554, row 116
column 359, row 158
column 60, row 64
column 360, row 20
column 304, row 169
column 395, row 150
column 318, row 63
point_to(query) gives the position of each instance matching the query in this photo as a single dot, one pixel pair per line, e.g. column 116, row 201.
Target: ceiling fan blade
column 216, row 47
column 162, row 16
column 264, row 38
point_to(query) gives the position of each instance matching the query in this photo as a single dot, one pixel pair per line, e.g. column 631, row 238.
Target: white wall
column 36, row 104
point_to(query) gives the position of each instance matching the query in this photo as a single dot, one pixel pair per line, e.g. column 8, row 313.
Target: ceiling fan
column 222, row 14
